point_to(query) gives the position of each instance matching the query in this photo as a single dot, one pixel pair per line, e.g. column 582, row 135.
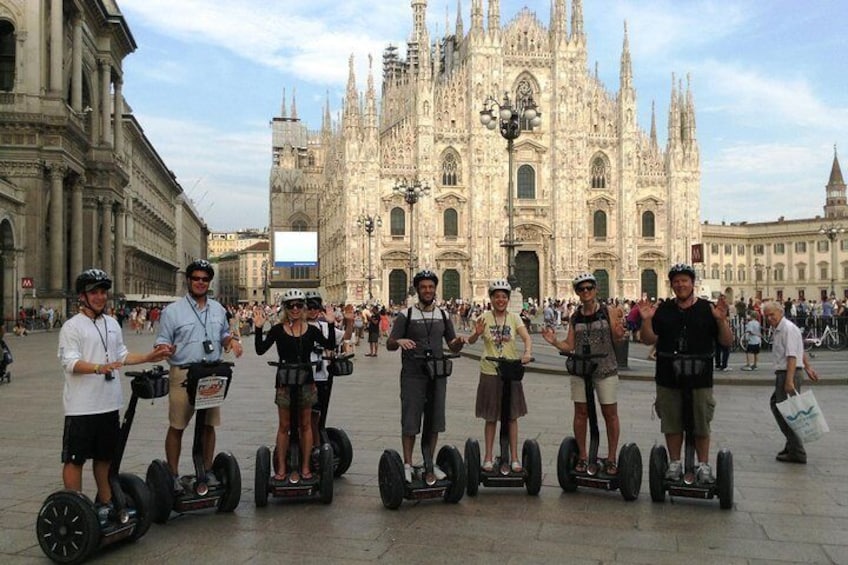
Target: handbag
column 803, row 414
column 580, row 367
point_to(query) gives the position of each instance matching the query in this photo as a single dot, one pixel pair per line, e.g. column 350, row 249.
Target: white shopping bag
column 804, row 416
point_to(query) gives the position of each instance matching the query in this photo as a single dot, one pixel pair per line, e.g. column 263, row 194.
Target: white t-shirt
column 321, row 370
column 95, row 341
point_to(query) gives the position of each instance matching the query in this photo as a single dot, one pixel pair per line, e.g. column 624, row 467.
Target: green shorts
column 669, row 407
column 308, row 396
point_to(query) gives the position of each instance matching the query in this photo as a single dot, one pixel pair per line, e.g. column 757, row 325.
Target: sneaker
column 407, row 473
column 439, row 474
column 746, row 368
column 675, row 471
column 705, row 474
column 178, row 485
column 212, row 480
column 725, row 369
column 753, row 367
column 104, row 512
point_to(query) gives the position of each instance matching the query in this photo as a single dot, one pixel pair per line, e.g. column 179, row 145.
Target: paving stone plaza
column 782, row 513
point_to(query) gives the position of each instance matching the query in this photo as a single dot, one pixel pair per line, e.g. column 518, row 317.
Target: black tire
column 161, row 486
column 724, row 479
column 451, row 463
column 326, row 463
column 262, row 476
column 390, row 475
column 342, row 450
column 531, row 460
column 566, row 460
column 226, row 468
column 657, row 467
column 629, row 471
column 139, row 499
column 472, row 467
column 67, row 527
column 837, row 341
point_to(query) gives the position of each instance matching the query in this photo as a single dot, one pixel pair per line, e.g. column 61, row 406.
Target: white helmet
column 293, row 294
column 500, row 284
column 584, row 277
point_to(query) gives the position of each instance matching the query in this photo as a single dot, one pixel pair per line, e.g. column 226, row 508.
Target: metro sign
column 27, row 282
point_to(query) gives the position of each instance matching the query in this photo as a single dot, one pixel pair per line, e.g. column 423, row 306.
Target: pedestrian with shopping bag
column 790, row 363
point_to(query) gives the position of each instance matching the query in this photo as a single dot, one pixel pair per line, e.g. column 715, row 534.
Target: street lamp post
column 411, row 193
column 506, row 117
column 831, row 232
column 370, row 223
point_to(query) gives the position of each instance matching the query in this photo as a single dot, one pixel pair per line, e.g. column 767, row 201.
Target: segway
column 424, row 485
column 628, row 481
column 70, row 527
column 502, row 475
column 688, row 486
column 320, row 486
column 338, row 366
column 207, row 386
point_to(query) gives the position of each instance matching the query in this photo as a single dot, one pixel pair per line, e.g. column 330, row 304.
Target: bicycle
column 830, row 338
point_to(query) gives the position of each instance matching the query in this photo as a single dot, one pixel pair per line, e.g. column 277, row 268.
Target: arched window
column 7, row 56
column 398, row 221
column 450, row 284
column 599, row 224
column 299, row 225
column 450, row 170
column 603, row 283
column 451, row 221
column 599, row 173
column 648, row 224
column 526, row 182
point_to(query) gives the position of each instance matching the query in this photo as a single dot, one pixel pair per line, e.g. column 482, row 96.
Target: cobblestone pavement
column 783, row 513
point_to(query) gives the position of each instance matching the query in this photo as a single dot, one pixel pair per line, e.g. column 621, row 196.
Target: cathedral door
column 649, row 283
column 450, row 284
column 397, row 286
column 602, row 276
column 527, row 273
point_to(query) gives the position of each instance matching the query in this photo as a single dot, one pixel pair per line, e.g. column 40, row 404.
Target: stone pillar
column 76, row 66
column 56, row 47
column 117, row 117
column 76, row 227
column 105, row 101
column 120, row 257
column 57, row 228
column 107, row 235
column 20, row 37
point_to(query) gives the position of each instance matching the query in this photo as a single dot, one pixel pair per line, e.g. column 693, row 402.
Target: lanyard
column 101, row 336
column 196, row 315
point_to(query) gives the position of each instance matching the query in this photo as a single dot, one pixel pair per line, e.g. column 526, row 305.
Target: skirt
column 489, row 394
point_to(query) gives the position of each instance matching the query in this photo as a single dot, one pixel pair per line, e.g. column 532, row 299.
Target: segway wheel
column 325, row 486
column 472, row 466
column 657, row 467
column 531, row 460
column 342, row 450
column 724, row 479
column 262, row 476
column 226, row 468
column 67, row 528
column 390, row 475
column 139, row 500
column 629, row 471
column 451, row 463
column 566, row 460
column 160, row 482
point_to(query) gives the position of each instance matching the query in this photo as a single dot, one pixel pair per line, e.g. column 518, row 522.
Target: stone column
column 56, row 47
column 57, row 228
column 107, row 235
column 20, row 37
column 76, row 227
column 118, row 117
column 76, row 66
column 120, row 257
column 105, row 101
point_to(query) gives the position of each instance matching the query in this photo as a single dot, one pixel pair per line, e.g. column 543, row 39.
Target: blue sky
column 769, row 77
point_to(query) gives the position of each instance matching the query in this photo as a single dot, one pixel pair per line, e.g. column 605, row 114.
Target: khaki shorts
column 606, row 389
column 179, row 409
column 669, row 407
column 308, row 396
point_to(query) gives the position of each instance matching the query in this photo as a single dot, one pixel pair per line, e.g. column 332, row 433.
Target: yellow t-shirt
column 498, row 340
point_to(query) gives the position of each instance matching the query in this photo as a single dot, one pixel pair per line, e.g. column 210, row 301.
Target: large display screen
column 295, row 249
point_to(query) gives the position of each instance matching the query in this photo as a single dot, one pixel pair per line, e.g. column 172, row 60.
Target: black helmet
column 681, row 269
column 426, row 274
column 200, row 265
column 313, row 299
column 90, row 279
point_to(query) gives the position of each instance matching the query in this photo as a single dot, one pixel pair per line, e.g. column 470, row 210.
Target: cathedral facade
column 592, row 190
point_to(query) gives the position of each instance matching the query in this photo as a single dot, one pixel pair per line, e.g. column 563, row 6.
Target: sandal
column 488, row 465
column 516, row 467
column 280, row 477
column 306, row 476
column 610, row 468
column 580, row 467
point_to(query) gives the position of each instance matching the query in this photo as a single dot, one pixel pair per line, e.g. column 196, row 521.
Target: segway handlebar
column 582, row 356
column 206, row 364
column 429, row 355
column 298, row 365
column 156, row 372
column 339, row 357
column 507, row 360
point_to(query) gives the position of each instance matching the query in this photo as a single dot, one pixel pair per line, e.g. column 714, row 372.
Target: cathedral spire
column 626, row 64
column 460, row 31
column 690, row 112
column 494, row 16
column 351, row 106
column 326, row 123
column 654, row 146
column 294, row 104
column 371, row 97
column 577, row 19
column 558, row 19
column 835, row 204
column 476, row 15
column 283, row 113
column 673, row 116
column 419, row 18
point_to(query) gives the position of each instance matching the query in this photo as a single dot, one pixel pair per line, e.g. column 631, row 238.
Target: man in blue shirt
column 194, row 329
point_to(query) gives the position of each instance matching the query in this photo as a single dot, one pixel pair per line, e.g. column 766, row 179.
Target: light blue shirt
column 186, row 326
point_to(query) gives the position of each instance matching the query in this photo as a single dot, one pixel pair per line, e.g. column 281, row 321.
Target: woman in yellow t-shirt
column 499, row 329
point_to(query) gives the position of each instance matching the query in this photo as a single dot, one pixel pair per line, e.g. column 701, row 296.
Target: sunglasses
column 585, row 288
column 200, row 279
column 293, row 305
